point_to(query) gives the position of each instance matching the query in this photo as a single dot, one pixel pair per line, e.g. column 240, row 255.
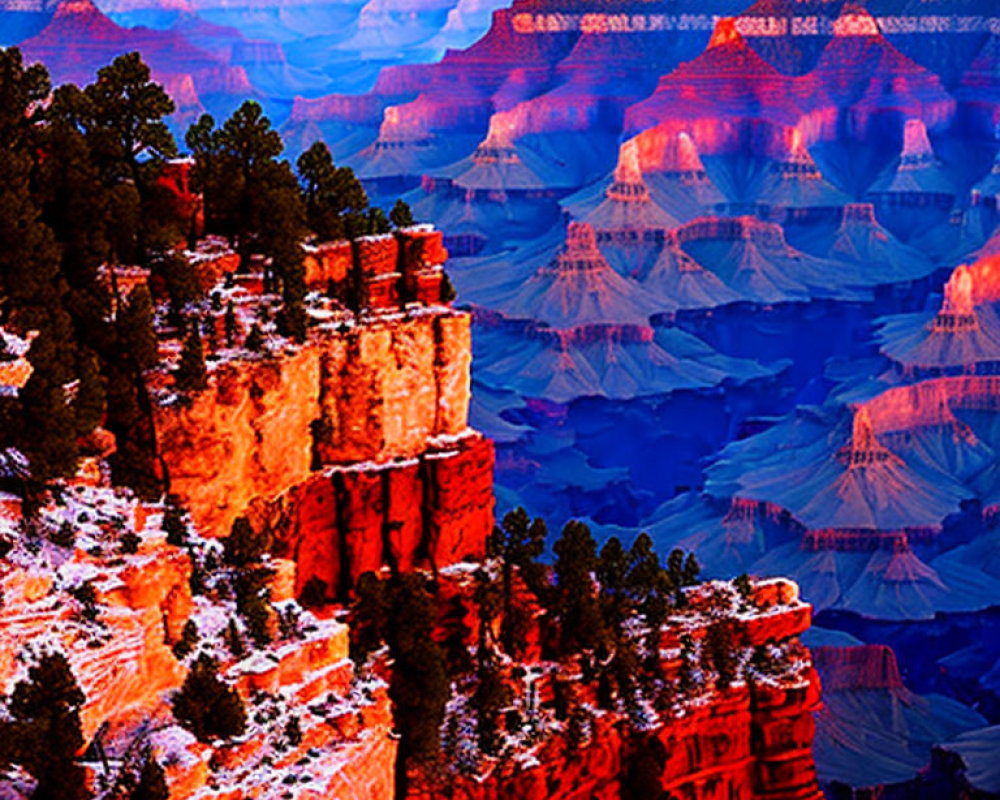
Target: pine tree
column 378, row 222
column 130, row 542
column 126, row 119
column 174, row 525
column 152, row 783
column 675, row 567
column 86, row 595
column 232, row 328
column 177, row 275
column 419, row 685
column 135, row 327
column 255, row 340
column 313, row 594
column 253, row 603
column 265, row 205
column 133, row 350
column 32, row 289
column 581, row 626
column 336, row 202
column 401, row 216
column 191, row 375
column 691, row 571
column 45, row 711
column 722, row 651
column 644, row 566
column 206, row 706
column 122, row 116
column 293, row 732
column 64, row 535
column 492, row 695
column 188, row 641
column 211, row 178
column 519, row 542
column 292, row 318
column 209, row 334
column 244, row 546
column 75, row 205
column 47, row 430
column 612, row 569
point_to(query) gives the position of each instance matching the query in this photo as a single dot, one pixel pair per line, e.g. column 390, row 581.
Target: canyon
column 353, row 450
column 725, row 274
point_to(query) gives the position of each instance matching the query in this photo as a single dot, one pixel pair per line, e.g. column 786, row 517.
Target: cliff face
column 245, row 436
column 120, row 653
column 376, row 392
column 123, row 639
column 745, row 744
column 751, row 739
column 431, row 510
column 344, row 747
column 387, row 390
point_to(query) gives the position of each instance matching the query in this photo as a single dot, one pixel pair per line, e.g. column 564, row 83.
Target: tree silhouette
column 45, row 729
column 206, row 706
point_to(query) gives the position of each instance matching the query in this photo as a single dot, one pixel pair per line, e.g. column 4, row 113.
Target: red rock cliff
column 379, row 391
column 752, row 739
column 427, row 511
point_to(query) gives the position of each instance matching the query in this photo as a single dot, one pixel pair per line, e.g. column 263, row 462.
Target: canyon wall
column 749, row 744
column 752, row 739
column 427, row 511
column 375, row 392
column 121, row 654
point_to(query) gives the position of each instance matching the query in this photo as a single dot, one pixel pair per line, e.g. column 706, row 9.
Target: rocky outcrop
column 746, row 743
column 427, row 511
column 119, row 651
column 375, row 392
column 871, row 666
column 343, row 747
column 752, row 739
column 247, row 435
column 388, row 387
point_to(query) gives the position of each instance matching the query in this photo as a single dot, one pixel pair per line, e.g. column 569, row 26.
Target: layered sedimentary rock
column 428, row 511
column 353, row 448
column 377, row 393
column 344, row 747
column 79, row 39
column 753, row 258
column 121, row 658
column 582, row 329
column 879, row 500
column 872, row 729
column 752, row 739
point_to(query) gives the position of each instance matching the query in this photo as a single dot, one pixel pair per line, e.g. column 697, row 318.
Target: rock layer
column 375, row 392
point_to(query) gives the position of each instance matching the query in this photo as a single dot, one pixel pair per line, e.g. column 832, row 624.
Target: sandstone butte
column 354, row 448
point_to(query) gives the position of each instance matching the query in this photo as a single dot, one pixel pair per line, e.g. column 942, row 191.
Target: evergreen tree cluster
column 41, row 731
column 601, row 610
column 206, row 706
column 80, row 189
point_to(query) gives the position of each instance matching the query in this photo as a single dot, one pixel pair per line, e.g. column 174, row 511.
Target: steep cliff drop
column 354, row 448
